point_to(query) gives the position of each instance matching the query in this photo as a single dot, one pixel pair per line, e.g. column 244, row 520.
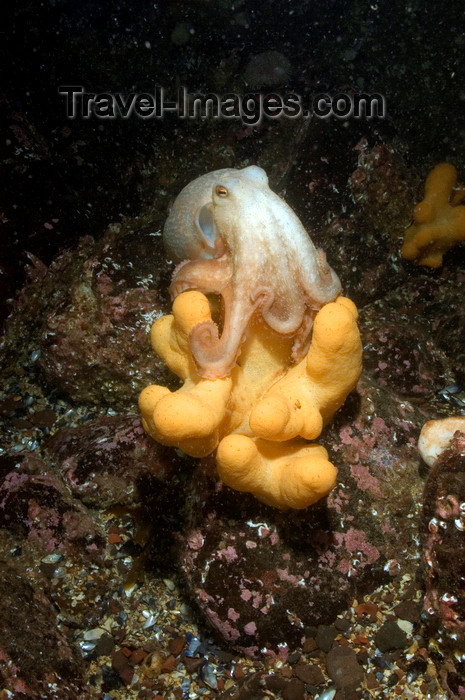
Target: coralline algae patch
column 263, row 577
column 443, row 528
column 37, row 509
column 415, row 365
column 111, row 460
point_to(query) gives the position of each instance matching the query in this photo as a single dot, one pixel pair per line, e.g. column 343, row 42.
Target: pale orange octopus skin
column 236, row 238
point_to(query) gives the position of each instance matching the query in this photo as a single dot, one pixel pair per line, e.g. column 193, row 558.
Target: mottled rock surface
column 95, row 347
column 112, row 461
column 36, row 660
column 443, row 536
column 90, row 316
column 38, row 513
column 362, row 238
column 263, row 577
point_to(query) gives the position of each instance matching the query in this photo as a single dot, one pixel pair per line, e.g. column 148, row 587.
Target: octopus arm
column 283, row 315
column 320, row 285
column 208, row 276
column 215, row 355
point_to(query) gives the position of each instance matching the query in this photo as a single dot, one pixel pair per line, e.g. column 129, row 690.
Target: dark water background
column 62, row 179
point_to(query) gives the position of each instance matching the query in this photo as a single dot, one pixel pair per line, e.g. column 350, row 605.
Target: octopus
column 232, row 236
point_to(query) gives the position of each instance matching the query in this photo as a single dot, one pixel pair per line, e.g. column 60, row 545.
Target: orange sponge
column 255, row 414
column 190, row 417
column 439, row 220
column 311, row 392
column 282, row 475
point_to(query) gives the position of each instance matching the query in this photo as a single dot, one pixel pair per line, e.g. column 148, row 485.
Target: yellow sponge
column 311, row 392
column 279, row 474
column 190, row 417
column 259, row 414
column 438, row 220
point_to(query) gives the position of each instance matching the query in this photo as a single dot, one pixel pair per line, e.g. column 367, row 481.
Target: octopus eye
column 221, row 191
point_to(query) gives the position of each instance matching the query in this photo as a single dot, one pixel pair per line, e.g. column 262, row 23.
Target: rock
column 443, row 538
column 39, row 513
column 176, row 645
column 445, row 313
column 415, row 366
column 46, row 289
column 255, row 584
column 363, row 244
column 309, row 673
column 36, row 660
column 390, row 636
column 342, row 625
column 275, row 683
column 238, row 556
column 294, row 657
column 95, row 343
column 382, row 187
column 193, row 664
column 250, row 687
column 343, row 667
column 121, row 664
column 325, row 636
column 112, row 461
column 408, row 610
column 294, row 690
